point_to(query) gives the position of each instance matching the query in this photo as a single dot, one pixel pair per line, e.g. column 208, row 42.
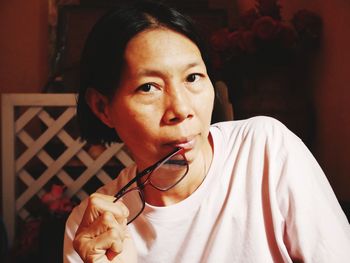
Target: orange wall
column 23, row 48
column 23, row 45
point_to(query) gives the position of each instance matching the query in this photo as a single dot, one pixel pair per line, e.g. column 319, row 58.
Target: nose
column 178, row 107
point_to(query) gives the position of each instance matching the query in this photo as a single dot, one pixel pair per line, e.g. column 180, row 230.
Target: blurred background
column 286, row 59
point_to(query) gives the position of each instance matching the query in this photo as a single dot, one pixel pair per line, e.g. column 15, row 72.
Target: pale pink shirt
column 264, row 199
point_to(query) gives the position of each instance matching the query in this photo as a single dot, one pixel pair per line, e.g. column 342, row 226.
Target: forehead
column 160, row 44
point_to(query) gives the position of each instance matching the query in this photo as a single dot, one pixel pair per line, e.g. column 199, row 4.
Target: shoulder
column 112, row 187
column 259, row 123
column 262, row 129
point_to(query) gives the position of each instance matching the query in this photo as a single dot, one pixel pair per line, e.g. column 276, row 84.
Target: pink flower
column 235, row 40
column 243, row 40
column 55, row 201
column 55, row 193
column 62, row 205
column 219, row 40
column 248, row 18
column 260, row 33
column 269, row 8
column 265, row 28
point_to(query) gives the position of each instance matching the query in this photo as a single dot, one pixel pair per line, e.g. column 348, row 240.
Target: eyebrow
column 150, row 72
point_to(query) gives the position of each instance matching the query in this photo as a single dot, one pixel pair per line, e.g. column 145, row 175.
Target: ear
column 98, row 104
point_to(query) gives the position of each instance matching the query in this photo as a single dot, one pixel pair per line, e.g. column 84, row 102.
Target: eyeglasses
column 163, row 175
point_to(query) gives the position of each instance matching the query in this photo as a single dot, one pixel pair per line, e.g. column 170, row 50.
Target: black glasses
column 163, row 175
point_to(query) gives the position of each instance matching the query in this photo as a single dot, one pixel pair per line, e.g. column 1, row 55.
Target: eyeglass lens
column 164, row 177
column 169, row 173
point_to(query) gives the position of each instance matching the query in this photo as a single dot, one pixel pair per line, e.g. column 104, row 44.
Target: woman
column 243, row 191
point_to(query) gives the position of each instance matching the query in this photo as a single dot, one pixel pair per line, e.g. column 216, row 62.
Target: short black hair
column 102, row 58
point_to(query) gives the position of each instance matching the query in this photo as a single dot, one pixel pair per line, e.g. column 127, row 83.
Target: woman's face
column 165, row 98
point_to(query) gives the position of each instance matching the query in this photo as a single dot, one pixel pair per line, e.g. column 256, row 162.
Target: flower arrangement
column 42, row 235
column 56, row 203
column 267, row 63
column 262, row 34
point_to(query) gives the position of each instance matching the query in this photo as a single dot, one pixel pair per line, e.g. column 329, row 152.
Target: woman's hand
column 102, row 235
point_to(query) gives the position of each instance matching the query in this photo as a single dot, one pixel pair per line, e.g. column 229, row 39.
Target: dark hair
column 103, row 54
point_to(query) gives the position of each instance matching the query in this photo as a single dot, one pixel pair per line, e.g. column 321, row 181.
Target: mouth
column 184, row 143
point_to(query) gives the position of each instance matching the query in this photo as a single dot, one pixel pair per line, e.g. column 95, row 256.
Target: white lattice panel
column 41, row 146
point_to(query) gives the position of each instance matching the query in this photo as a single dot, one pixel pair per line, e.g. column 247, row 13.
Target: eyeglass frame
column 148, row 171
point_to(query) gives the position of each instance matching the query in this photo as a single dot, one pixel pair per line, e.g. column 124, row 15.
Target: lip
column 184, row 143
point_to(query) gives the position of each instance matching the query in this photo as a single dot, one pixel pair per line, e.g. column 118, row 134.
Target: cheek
column 137, row 124
column 206, row 103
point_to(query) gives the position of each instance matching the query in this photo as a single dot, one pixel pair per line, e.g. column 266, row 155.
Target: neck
column 197, row 172
column 180, row 192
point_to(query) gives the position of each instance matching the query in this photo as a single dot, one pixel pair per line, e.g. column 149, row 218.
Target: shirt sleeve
column 69, row 254
column 316, row 228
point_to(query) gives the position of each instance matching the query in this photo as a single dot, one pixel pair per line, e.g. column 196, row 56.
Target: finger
column 111, row 240
column 126, row 252
column 98, row 204
column 103, row 235
column 102, row 202
column 101, row 225
column 107, row 245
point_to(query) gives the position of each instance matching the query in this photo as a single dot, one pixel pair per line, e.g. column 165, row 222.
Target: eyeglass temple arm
column 143, row 173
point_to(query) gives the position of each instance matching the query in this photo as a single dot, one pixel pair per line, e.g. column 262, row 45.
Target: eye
column 148, row 87
column 193, row 77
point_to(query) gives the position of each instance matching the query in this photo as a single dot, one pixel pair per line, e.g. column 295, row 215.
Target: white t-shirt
column 264, row 199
